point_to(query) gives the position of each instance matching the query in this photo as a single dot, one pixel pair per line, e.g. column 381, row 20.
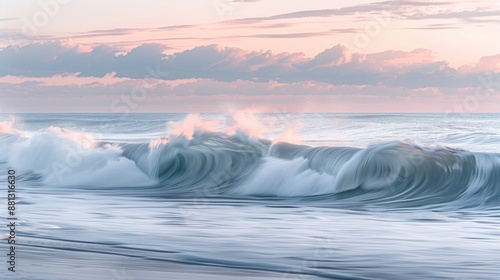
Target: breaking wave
column 221, row 164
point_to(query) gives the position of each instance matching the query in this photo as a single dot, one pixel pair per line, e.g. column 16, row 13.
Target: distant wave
column 212, row 163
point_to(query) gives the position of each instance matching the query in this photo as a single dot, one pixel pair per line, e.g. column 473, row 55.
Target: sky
column 266, row 55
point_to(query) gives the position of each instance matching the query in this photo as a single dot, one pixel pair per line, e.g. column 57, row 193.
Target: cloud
column 487, row 64
column 367, row 9
column 208, row 95
column 9, row 19
column 465, row 16
column 47, row 59
column 301, row 35
column 409, row 15
column 337, row 65
column 402, row 10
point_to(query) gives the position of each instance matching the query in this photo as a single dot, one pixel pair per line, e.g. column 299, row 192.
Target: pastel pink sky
column 270, row 55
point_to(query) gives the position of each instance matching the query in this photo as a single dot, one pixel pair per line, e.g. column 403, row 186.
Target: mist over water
column 256, row 196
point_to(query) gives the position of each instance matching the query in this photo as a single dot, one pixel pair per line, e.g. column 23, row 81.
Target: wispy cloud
column 9, row 19
column 402, row 10
column 364, row 9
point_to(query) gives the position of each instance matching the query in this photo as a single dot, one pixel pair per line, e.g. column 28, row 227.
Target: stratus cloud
column 211, row 95
column 337, row 65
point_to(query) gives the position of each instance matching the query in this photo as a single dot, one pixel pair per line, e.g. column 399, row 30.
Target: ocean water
column 252, row 196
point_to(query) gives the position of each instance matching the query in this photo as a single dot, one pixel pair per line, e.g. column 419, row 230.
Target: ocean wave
column 207, row 160
column 405, row 173
column 213, row 163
